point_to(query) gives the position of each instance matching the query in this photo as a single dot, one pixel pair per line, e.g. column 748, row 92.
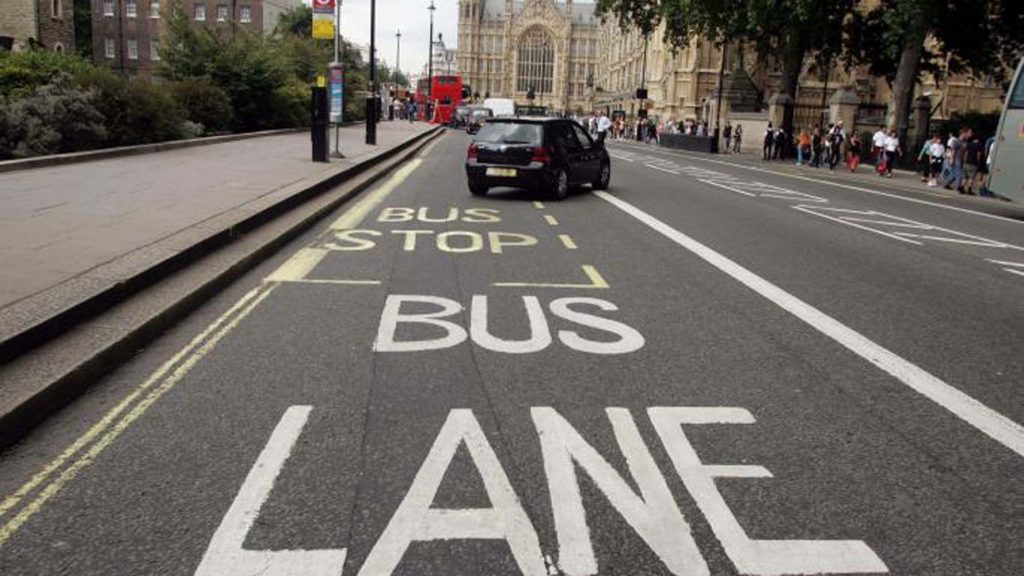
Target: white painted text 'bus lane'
column 650, row 511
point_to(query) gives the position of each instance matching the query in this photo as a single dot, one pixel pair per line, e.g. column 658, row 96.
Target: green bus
column 1006, row 157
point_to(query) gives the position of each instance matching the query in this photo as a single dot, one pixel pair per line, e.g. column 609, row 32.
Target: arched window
column 536, row 61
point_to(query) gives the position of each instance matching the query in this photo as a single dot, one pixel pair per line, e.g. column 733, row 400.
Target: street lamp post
column 398, row 54
column 430, row 64
column 337, row 60
column 371, row 98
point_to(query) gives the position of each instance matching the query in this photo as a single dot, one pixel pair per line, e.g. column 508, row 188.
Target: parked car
column 477, row 118
column 540, row 154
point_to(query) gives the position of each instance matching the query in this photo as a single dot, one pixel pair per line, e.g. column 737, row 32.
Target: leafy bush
column 204, row 103
column 292, row 104
column 135, row 111
column 22, row 72
column 56, row 118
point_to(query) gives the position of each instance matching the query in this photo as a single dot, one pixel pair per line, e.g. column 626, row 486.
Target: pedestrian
column 936, row 155
column 878, row 146
column 826, row 143
column 781, row 144
column 603, row 126
column 892, row 150
column 924, row 158
column 816, row 146
column 853, row 150
column 737, row 138
column 836, row 139
column 769, row 141
column 983, row 167
column 955, row 157
column 803, row 147
column 727, row 135
column 972, row 157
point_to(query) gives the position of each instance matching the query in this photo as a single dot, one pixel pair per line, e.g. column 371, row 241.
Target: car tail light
column 471, row 154
column 542, row 155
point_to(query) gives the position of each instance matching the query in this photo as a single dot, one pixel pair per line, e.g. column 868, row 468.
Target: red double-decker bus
column 446, row 94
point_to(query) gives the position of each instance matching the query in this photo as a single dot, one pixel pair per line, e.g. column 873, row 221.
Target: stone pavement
column 62, row 222
column 69, row 231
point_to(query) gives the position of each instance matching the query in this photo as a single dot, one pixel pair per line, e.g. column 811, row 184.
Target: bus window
column 1006, row 160
column 1016, row 98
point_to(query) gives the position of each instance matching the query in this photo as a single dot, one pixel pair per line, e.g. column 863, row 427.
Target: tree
column 785, row 30
column 295, row 22
column 901, row 39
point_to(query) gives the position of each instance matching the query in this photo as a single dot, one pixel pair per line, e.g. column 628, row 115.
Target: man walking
column 878, row 146
column 727, row 135
column 603, row 125
column 769, row 140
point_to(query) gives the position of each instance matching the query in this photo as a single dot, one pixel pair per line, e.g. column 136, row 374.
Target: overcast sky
column 409, row 16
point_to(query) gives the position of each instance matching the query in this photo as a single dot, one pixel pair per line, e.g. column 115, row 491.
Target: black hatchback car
column 544, row 154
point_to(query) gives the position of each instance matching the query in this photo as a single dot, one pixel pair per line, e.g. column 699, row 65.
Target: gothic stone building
column 507, row 47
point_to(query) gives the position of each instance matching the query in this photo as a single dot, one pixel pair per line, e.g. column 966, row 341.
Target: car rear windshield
column 510, row 133
column 481, row 113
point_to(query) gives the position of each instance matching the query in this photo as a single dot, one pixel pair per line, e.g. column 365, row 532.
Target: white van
column 501, row 106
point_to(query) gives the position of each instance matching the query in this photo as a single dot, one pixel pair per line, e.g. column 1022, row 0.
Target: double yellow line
column 119, row 418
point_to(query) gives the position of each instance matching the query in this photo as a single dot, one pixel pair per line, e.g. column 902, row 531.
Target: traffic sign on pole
column 323, row 19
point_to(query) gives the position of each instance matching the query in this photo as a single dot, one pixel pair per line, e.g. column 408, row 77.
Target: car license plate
column 506, row 172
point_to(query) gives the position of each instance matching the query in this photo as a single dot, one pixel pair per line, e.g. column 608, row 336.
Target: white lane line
column 849, row 187
column 1012, row 271
column 811, row 210
column 225, row 554
column 655, row 167
column 1005, row 263
column 551, row 220
column 567, row 241
column 730, row 188
column 992, row 423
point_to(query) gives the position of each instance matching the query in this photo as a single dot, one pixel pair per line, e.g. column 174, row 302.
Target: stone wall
column 56, row 24
column 18, row 20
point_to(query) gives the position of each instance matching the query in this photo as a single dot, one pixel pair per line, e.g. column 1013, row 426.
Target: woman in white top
column 936, row 154
column 892, row 149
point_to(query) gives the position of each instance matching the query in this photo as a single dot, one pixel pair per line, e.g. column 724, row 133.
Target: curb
column 17, row 344
column 104, row 153
column 20, row 418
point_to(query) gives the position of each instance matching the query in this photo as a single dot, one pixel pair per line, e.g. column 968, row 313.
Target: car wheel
column 478, row 189
column 604, row 178
column 561, row 185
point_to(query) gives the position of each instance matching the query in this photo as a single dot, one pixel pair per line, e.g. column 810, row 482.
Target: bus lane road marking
column 991, row 423
column 641, row 498
column 170, row 373
column 888, row 225
column 840, row 185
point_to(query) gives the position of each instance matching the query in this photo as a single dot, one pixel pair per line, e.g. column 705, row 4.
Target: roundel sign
column 323, row 5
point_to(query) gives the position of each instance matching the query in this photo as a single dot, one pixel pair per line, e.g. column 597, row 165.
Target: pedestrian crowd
column 956, row 164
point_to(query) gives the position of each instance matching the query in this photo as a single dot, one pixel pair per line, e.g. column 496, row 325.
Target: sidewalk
column 70, row 232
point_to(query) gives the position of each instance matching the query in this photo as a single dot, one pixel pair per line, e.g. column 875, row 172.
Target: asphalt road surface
column 711, row 369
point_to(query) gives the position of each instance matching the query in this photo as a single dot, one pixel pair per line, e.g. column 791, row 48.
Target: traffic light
column 530, row 94
column 641, row 93
column 466, row 91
